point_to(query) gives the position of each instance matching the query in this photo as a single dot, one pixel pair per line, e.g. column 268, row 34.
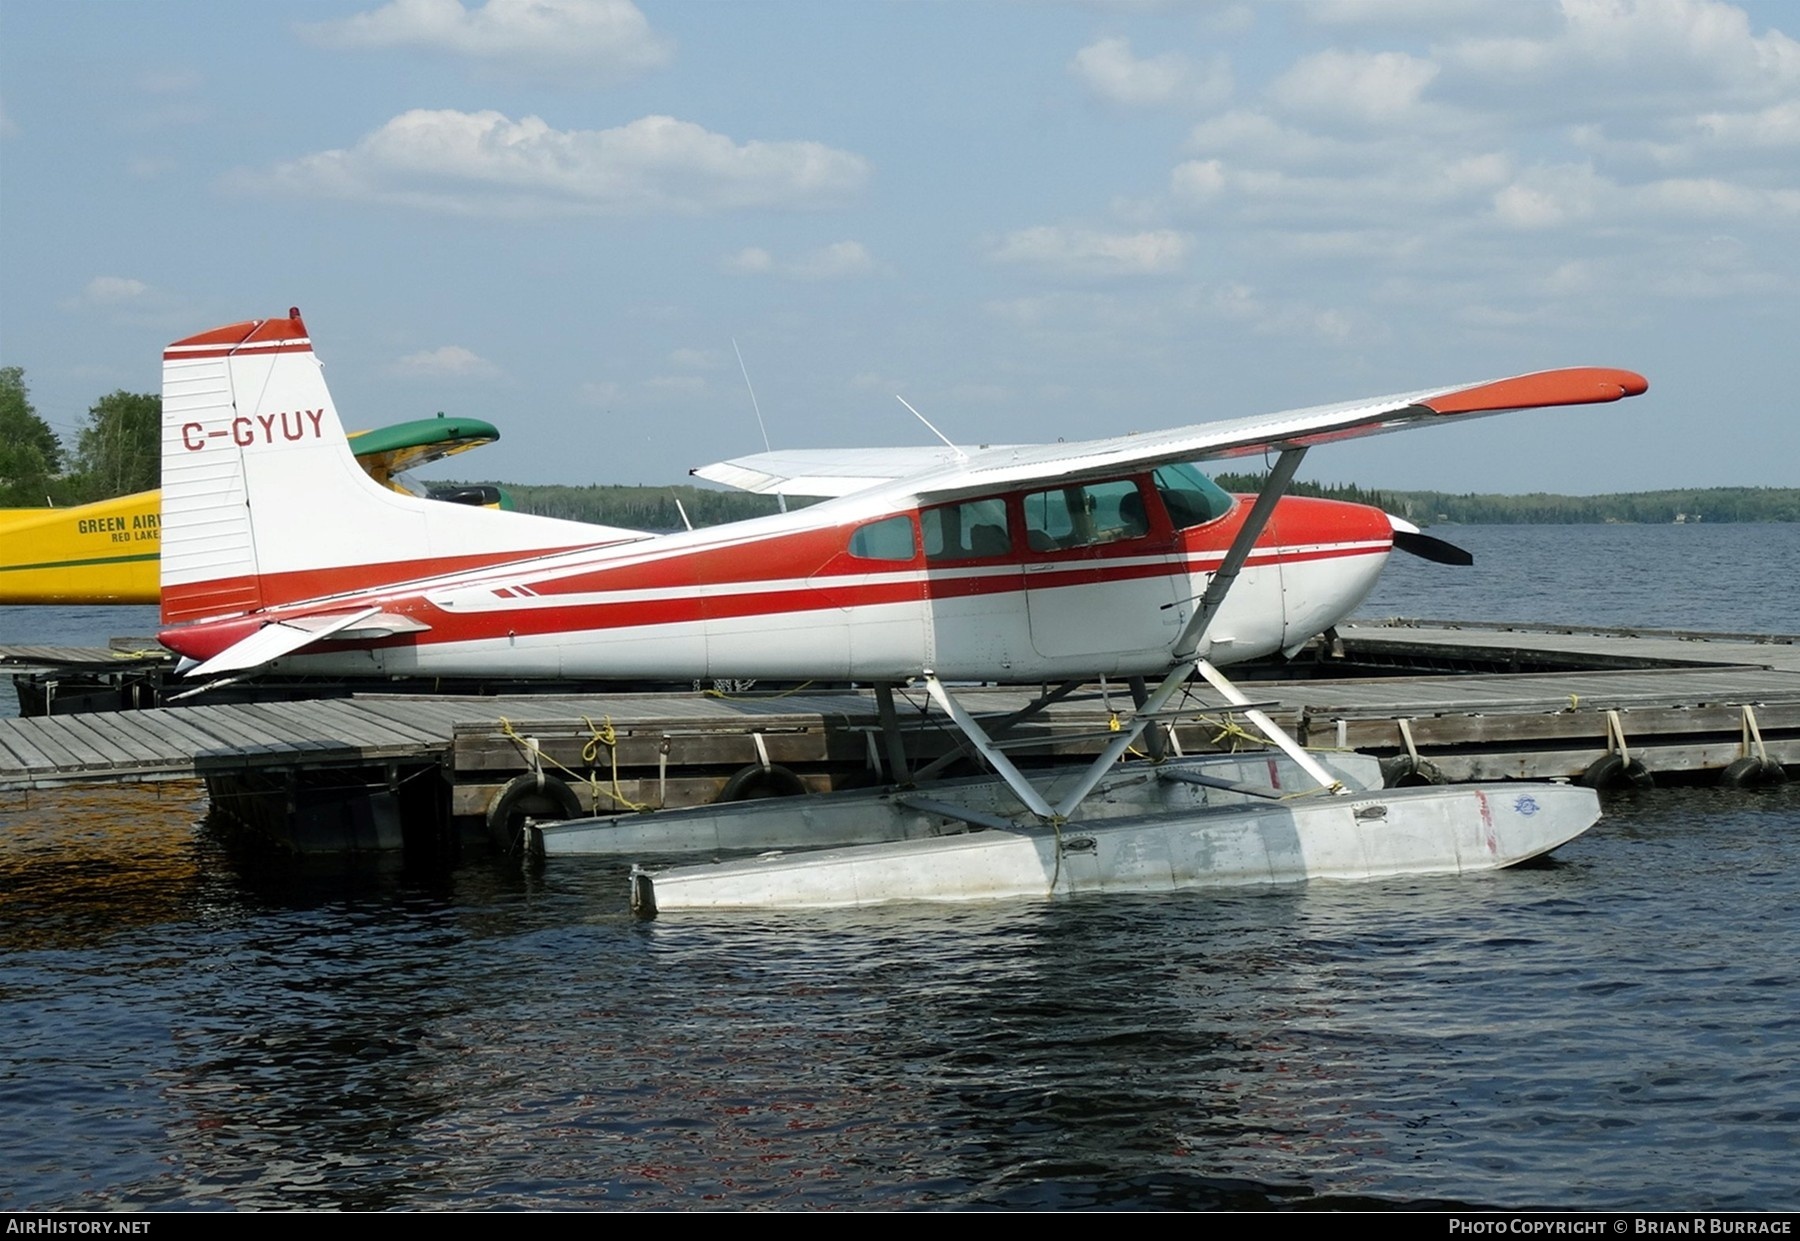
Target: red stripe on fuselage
column 282, row 591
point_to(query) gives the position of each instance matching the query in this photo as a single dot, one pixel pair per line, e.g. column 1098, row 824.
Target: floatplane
column 1045, row 565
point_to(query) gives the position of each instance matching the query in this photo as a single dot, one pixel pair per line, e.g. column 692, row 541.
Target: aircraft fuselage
column 1050, row 582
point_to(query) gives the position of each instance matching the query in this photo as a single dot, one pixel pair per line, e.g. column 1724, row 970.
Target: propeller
column 1408, row 539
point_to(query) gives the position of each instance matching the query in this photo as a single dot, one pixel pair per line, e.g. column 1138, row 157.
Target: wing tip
column 1575, row 385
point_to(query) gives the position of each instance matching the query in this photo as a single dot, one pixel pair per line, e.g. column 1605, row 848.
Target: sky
column 1031, row 219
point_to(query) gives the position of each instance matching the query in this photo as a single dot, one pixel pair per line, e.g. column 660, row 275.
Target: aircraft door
column 872, row 577
column 975, row 609
column 1101, row 577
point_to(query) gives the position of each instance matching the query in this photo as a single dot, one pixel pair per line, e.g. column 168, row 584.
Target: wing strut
column 1269, row 728
column 1020, row 786
column 1191, row 639
column 1187, row 661
column 1273, row 489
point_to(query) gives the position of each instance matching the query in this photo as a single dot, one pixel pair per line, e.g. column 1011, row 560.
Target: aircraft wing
column 938, row 471
column 825, row 472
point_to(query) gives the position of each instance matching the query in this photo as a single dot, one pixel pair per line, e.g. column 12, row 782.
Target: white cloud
column 750, row 261
column 113, row 291
column 1772, row 127
column 1197, row 182
column 1371, row 88
column 602, row 392
column 1241, row 304
column 446, row 361
column 837, row 261
column 485, row 164
column 874, row 381
column 169, row 82
column 1549, row 196
column 1416, row 15
column 1256, row 133
column 665, row 386
column 124, row 300
column 604, row 40
column 1112, row 74
column 841, row 260
column 1084, row 252
column 1555, row 196
column 695, row 359
column 1610, row 56
column 1402, row 188
column 1710, row 198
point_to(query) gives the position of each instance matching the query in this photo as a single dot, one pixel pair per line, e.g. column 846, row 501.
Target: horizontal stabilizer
column 271, row 642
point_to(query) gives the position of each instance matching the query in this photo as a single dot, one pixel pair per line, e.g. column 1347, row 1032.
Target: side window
column 889, row 539
column 970, row 531
column 1191, row 498
column 1085, row 516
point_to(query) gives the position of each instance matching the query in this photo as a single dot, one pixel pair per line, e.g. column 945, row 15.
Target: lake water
column 1619, row 1029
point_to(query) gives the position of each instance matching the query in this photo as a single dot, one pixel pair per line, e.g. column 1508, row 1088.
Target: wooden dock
column 1681, row 705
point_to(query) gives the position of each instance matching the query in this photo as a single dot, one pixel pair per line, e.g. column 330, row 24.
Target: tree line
column 118, row 450
column 654, row 508
column 1714, row 504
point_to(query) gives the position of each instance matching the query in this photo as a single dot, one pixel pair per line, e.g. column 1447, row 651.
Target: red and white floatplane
column 1045, row 564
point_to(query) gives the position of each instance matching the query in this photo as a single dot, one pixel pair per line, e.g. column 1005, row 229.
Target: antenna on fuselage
column 960, row 454
column 779, row 498
column 683, row 512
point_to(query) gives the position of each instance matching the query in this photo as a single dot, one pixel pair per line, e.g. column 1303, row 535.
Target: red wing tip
column 1576, row 385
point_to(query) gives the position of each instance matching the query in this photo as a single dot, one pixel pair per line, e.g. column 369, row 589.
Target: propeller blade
column 1428, row 548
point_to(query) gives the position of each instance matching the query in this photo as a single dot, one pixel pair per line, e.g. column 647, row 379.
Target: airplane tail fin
column 264, row 503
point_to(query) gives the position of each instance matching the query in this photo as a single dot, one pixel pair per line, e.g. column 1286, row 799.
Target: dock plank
column 242, row 733
column 187, row 735
column 23, row 749
column 323, row 725
column 116, row 734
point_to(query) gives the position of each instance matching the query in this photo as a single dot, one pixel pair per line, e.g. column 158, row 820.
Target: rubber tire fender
column 1403, row 771
column 756, row 781
column 1609, row 771
column 1751, row 772
column 534, row 796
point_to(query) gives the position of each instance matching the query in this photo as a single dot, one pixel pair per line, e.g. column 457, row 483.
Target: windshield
column 1191, row 498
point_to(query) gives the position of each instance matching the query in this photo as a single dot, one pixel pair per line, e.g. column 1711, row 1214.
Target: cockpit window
column 888, row 539
column 970, row 531
column 1191, row 498
column 1085, row 515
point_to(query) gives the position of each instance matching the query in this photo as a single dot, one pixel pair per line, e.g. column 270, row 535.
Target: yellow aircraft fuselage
column 105, row 552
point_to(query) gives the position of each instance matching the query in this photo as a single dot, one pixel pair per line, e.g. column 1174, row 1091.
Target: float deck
column 1684, row 704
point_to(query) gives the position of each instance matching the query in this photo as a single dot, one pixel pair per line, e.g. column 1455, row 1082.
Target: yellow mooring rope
column 601, row 734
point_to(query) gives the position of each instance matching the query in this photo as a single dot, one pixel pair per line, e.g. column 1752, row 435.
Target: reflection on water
column 1562, row 1036
column 84, row 863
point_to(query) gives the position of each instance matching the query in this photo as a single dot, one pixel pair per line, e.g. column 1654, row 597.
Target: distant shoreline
column 654, row 507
